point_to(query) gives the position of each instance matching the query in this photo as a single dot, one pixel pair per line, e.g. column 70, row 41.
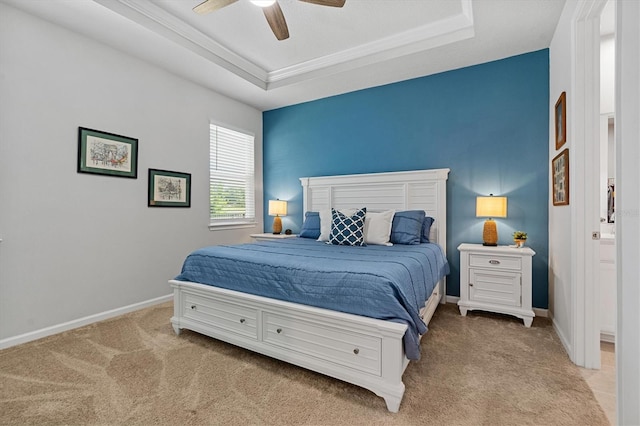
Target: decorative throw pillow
column 426, row 229
column 377, row 227
column 311, row 225
column 407, row 227
column 348, row 230
column 325, row 222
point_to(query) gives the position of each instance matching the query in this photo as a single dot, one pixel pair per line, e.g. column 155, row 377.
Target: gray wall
column 74, row 244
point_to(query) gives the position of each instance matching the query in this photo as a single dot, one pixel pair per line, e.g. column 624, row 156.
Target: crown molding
column 439, row 33
column 156, row 19
column 436, row 34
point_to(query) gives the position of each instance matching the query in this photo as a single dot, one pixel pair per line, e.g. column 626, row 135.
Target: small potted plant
column 519, row 238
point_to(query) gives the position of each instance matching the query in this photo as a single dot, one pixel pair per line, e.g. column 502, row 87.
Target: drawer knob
column 356, row 351
column 193, row 307
column 242, row 320
column 494, row 262
column 470, row 284
column 279, row 331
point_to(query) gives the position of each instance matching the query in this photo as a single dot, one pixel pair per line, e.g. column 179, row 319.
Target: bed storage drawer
column 226, row 316
column 340, row 346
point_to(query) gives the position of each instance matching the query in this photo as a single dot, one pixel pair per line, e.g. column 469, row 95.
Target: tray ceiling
column 330, row 50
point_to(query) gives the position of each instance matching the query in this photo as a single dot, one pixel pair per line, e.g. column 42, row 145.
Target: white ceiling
column 330, row 50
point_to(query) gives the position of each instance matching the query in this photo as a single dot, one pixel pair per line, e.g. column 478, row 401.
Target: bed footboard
column 360, row 350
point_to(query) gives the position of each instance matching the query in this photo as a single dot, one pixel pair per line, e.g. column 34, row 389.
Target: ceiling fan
column 271, row 10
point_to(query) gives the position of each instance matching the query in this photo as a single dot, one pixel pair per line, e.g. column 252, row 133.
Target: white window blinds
column 231, row 176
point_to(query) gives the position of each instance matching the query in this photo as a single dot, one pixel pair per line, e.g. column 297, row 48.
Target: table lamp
column 490, row 207
column 277, row 208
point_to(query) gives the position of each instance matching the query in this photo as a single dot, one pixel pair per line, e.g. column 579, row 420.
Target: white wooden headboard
column 414, row 190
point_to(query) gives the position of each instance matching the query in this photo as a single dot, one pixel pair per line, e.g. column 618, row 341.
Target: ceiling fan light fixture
column 263, row 3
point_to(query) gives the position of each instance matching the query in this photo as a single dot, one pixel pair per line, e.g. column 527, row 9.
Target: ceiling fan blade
column 276, row 21
column 208, row 6
column 332, row 3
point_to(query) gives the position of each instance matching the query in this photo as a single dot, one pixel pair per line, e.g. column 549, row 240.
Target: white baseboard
column 538, row 311
column 452, row 299
column 544, row 313
column 607, row 336
column 70, row 325
column 565, row 343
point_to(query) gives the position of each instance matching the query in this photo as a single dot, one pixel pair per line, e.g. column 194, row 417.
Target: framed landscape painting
column 169, row 189
column 104, row 153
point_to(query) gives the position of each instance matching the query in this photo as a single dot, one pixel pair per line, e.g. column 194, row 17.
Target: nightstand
column 496, row 279
column 268, row 236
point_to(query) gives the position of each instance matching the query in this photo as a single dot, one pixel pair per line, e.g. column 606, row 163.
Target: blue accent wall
column 488, row 123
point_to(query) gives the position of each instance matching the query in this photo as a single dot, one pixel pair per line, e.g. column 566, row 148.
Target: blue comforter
column 388, row 283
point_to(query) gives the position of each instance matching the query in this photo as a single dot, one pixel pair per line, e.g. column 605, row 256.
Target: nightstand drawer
column 495, row 262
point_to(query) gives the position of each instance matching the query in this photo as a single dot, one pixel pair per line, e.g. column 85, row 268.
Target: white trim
column 563, row 339
column 156, row 19
column 607, row 337
column 540, row 312
column 585, row 150
column 227, row 226
column 452, row 299
column 70, row 325
column 627, row 131
column 446, row 31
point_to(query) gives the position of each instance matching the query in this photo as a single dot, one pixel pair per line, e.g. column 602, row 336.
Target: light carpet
column 483, row 369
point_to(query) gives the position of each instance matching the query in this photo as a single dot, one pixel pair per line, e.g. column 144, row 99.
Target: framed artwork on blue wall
column 169, row 189
column 560, row 178
column 104, row 153
column 561, row 120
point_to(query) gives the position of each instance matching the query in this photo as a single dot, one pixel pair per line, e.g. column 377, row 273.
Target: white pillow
column 377, row 227
column 325, row 222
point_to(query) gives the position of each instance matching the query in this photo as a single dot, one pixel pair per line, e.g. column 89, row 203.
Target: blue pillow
column 311, row 225
column 426, row 229
column 347, row 230
column 407, row 227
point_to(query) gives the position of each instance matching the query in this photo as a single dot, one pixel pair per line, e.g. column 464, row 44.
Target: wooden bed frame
column 360, row 350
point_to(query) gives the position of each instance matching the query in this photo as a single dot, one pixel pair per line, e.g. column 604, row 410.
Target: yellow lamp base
column 277, row 225
column 490, row 233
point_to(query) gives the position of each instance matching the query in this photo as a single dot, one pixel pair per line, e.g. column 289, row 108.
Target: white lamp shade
column 277, row 208
column 491, row 206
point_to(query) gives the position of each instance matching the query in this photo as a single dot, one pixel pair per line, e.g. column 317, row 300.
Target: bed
column 308, row 330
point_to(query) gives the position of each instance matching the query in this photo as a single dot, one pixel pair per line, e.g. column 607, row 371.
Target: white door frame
column 628, row 210
column 585, row 201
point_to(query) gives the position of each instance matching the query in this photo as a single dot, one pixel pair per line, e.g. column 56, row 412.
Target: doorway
column 594, row 105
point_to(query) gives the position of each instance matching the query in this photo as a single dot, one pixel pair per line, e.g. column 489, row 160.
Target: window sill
column 228, row 226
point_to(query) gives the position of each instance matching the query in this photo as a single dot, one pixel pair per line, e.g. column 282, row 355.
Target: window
column 231, row 177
